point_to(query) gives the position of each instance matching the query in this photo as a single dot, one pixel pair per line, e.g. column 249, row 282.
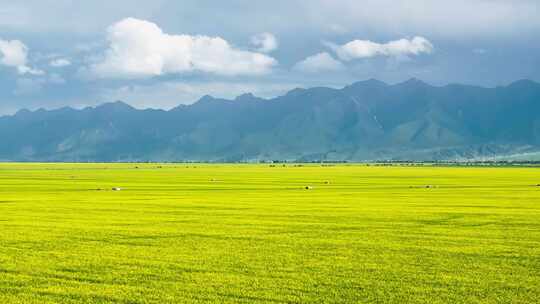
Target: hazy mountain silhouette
column 364, row 121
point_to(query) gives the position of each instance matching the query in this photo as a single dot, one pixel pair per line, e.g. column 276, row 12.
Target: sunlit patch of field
column 255, row 234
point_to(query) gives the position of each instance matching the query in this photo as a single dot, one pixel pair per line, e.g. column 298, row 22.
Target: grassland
column 254, row 234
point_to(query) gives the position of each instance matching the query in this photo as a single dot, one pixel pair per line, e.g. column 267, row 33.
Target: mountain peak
column 413, row 82
column 295, row 92
column 523, row 83
column 22, row 112
column 115, row 106
column 372, row 82
column 246, row 97
column 205, row 98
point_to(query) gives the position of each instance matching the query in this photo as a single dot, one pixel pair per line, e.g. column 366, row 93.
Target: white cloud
column 14, row 53
column 139, row 48
column 319, row 63
column 28, row 70
column 366, row 48
column 265, row 42
column 60, row 62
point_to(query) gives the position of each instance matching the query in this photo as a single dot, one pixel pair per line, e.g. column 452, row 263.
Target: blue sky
column 162, row 53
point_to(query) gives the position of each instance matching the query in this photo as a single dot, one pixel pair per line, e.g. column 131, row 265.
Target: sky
column 162, row 53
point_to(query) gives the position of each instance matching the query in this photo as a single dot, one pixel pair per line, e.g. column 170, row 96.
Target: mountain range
column 368, row 120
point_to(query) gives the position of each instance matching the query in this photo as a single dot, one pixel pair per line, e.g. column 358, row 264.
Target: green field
column 180, row 233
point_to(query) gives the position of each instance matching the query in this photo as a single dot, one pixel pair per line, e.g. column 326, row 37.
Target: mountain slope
column 364, row 121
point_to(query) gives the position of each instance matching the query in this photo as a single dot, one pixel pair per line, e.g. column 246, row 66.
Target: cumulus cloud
column 14, row 53
column 396, row 48
column 139, row 48
column 318, row 63
column 265, row 42
column 60, row 62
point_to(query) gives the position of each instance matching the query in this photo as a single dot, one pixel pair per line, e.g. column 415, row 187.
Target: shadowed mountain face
column 367, row 120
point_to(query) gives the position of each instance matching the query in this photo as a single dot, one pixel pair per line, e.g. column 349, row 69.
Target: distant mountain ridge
column 368, row 120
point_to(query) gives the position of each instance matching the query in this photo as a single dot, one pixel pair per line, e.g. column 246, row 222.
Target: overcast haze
column 163, row 53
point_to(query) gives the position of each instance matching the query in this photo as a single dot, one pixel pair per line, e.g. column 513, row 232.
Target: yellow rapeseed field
column 194, row 233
